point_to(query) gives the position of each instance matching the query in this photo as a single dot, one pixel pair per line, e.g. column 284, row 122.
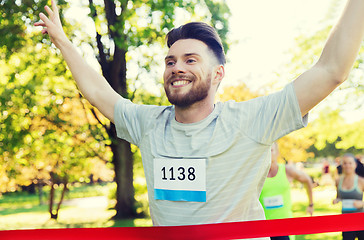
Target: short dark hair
column 200, row 31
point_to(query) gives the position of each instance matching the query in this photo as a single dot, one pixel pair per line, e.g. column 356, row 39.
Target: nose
column 178, row 68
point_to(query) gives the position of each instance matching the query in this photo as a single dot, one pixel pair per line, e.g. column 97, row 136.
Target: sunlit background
column 264, row 55
column 263, row 35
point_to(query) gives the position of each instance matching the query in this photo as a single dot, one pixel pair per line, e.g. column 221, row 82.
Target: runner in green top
column 276, row 193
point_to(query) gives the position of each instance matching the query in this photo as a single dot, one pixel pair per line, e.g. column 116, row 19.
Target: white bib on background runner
column 348, row 205
column 273, row 202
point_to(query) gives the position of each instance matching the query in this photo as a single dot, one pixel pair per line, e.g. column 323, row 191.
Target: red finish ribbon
column 234, row 230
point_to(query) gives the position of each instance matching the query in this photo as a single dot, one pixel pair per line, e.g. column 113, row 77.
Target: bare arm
column 358, row 203
column 93, row 86
column 336, row 60
column 306, row 181
column 337, row 199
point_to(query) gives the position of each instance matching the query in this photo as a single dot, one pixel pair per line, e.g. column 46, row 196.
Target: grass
column 323, row 196
column 22, row 211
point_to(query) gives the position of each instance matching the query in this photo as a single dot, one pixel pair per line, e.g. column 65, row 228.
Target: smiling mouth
column 180, row 83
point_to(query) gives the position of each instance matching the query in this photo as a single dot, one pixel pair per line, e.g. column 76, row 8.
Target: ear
column 219, row 74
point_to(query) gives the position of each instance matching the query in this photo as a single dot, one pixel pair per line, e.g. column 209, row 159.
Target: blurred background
column 61, row 164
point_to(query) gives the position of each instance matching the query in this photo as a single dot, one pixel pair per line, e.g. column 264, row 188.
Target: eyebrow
column 185, row 55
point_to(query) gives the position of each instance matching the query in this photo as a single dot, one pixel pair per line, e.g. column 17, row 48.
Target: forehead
column 348, row 159
column 187, row 46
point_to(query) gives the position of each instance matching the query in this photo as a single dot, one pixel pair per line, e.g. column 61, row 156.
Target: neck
column 350, row 175
column 195, row 112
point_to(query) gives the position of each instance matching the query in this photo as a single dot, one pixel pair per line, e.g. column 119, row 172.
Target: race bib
column 348, row 205
column 180, row 179
column 273, row 202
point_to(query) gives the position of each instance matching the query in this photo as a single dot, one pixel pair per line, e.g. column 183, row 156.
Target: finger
column 54, row 6
column 45, row 19
column 44, row 31
column 49, row 11
column 39, row 24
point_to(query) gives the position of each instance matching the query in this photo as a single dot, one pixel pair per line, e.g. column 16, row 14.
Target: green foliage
column 44, row 123
column 346, row 137
column 46, row 128
column 220, row 13
column 15, row 19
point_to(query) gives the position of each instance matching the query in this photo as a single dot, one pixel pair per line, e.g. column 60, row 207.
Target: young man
column 206, row 162
column 276, row 193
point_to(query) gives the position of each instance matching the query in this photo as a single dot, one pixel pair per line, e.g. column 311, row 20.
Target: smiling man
column 193, row 74
column 207, row 162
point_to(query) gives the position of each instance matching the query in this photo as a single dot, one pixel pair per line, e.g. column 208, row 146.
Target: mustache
column 181, row 76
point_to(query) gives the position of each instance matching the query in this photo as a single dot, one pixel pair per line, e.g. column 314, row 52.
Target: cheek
column 165, row 75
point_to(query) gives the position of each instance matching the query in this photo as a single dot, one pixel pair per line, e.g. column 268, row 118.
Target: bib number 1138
column 180, row 179
column 181, row 174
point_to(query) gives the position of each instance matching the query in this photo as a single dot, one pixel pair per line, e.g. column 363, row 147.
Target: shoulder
column 244, row 110
column 126, row 103
column 127, row 112
column 290, row 170
column 361, row 183
column 337, row 180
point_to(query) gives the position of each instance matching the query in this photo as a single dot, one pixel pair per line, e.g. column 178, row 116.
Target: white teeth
column 180, row 83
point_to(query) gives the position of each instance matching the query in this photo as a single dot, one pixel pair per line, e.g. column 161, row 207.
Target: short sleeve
column 132, row 120
column 271, row 117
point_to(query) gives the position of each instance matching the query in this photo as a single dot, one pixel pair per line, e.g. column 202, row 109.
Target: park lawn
column 323, row 197
column 24, row 212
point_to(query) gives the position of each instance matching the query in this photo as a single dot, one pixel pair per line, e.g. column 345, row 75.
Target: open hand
column 358, row 204
column 310, row 210
column 52, row 24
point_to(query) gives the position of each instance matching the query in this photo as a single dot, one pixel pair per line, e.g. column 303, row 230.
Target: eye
column 170, row 63
column 191, row 60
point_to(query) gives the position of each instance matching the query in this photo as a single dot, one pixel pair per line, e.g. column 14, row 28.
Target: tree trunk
column 54, row 214
column 123, row 166
column 51, row 200
column 113, row 66
column 62, row 197
column 40, row 193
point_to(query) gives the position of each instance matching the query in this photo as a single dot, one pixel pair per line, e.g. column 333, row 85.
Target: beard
column 198, row 92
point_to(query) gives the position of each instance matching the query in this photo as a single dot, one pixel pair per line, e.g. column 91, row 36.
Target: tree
column 347, row 137
column 48, row 136
column 123, row 28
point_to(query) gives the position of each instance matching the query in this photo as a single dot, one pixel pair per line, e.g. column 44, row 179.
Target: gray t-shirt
column 234, row 140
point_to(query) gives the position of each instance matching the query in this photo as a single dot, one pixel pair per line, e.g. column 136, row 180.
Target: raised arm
column 336, row 60
column 92, row 85
column 306, row 181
